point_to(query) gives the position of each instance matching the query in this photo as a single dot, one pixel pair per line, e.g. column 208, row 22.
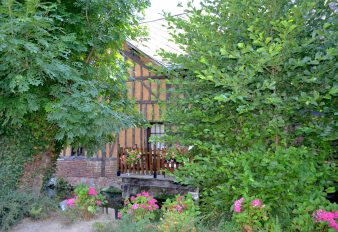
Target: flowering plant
column 87, row 200
column 179, row 215
column 170, row 156
column 249, row 214
column 327, row 217
column 133, row 156
column 140, row 207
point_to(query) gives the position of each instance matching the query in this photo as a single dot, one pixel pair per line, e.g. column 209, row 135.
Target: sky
column 158, row 35
column 157, row 6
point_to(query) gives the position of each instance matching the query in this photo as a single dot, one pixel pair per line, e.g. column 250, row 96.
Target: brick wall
column 88, row 170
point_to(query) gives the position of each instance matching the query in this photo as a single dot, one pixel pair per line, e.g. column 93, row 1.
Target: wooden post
column 155, row 162
column 118, row 161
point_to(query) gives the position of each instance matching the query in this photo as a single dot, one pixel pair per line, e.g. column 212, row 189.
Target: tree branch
column 90, row 54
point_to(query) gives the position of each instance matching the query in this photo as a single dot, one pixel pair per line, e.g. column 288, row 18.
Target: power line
column 154, row 20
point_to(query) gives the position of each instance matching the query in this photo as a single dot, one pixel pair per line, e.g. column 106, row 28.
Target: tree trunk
column 46, row 163
column 103, row 164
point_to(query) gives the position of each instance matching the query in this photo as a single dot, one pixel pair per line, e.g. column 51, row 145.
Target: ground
column 55, row 224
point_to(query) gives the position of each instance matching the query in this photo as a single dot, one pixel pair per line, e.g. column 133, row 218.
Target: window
column 156, row 130
column 78, row 151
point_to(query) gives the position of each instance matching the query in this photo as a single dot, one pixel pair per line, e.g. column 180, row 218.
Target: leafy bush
column 179, row 215
column 62, row 189
column 100, row 227
column 87, row 200
column 129, row 224
column 141, row 207
column 14, row 207
column 250, row 215
column 255, row 94
column 43, row 208
column 283, row 179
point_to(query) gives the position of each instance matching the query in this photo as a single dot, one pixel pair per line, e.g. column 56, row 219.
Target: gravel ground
column 55, row 225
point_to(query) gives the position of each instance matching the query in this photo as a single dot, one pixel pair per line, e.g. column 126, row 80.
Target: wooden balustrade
column 152, row 162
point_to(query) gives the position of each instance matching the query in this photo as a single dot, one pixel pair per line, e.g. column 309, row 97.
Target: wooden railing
column 152, row 162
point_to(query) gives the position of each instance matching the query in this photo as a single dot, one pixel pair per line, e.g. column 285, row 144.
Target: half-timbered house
column 147, row 89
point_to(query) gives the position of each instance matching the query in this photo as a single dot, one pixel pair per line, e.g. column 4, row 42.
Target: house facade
column 148, row 90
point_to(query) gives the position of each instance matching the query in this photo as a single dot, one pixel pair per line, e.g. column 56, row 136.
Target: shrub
column 87, row 200
column 251, row 73
column 129, row 224
column 14, row 207
column 179, row 215
column 282, row 178
column 250, row 215
column 140, row 207
column 62, row 189
column 43, row 207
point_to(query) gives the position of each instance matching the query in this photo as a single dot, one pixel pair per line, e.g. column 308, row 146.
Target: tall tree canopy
column 61, row 71
column 256, row 89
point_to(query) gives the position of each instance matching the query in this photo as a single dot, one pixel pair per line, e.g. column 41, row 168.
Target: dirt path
column 55, row 225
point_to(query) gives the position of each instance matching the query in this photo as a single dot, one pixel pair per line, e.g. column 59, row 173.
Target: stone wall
column 78, row 170
column 133, row 185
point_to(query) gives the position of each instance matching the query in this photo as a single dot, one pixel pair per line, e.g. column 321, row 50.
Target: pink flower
column 138, row 195
column 145, row 194
column 237, row 205
column 336, row 215
column 152, row 202
column 70, row 202
column 179, row 208
column 99, row 203
column 256, row 203
column 322, row 215
column 132, row 198
column 134, row 206
column 143, row 206
column 119, row 215
column 138, row 156
column 333, row 224
column 92, row 191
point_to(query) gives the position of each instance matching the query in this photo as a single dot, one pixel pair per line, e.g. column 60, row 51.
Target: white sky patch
column 159, row 37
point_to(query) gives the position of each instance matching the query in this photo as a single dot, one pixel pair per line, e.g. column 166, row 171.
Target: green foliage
column 13, row 155
column 70, row 216
column 62, row 75
column 43, row 208
column 141, row 207
column 100, row 227
column 62, row 189
column 255, row 93
column 179, row 215
column 88, row 199
column 251, row 214
column 14, row 207
column 128, row 224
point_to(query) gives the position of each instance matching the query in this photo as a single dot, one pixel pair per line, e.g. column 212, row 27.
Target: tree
column 62, row 74
column 258, row 79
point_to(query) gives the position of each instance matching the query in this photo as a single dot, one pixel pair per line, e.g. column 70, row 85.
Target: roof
column 158, row 39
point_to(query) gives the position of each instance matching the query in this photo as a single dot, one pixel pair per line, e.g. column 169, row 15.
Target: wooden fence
column 152, row 162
